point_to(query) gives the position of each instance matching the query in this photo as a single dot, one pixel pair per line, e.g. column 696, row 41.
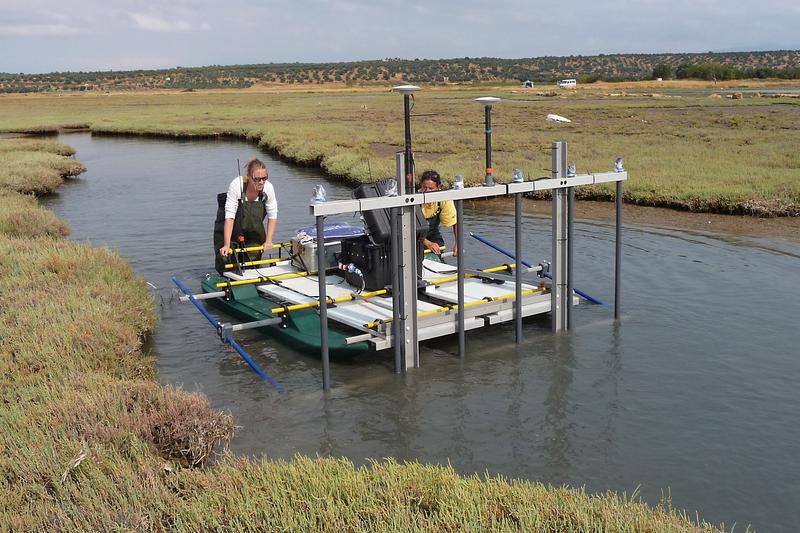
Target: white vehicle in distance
column 568, row 84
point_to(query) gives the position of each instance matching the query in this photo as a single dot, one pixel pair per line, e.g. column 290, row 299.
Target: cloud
column 155, row 23
column 38, row 30
column 99, row 34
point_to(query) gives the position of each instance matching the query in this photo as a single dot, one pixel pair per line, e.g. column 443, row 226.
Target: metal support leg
column 570, row 248
column 618, row 246
column 462, row 343
column 323, row 304
column 396, row 292
column 518, row 270
column 559, row 297
column 409, row 275
column 406, row 265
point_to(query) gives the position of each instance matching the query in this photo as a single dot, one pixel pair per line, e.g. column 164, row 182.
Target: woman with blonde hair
column 249, row 201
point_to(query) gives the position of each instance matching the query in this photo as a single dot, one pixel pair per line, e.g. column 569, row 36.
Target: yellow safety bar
column 340, row 299
column 279, row 245
column 259, row 262
column 262, row 279
column 454, row 307
column 441, row 248
column 486, row 270
column 257, row 248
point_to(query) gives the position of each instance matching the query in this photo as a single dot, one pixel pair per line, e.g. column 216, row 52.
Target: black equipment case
column 378, row 221
column 372, row 254
column 374, row 261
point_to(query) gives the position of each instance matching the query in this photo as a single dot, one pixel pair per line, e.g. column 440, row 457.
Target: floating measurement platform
column 343, row 290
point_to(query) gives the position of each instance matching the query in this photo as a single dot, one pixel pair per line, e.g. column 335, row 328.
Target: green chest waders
column 434, row 235
column 252, row 226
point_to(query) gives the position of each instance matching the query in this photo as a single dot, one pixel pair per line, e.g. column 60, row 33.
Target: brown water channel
column 695, row 393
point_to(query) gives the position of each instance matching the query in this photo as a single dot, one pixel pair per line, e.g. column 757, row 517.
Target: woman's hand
column 225, row 251
column 267, row 246
column 432, row 246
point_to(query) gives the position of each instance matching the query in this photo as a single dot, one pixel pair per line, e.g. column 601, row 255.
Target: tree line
column 720, row 72
column 587, row 69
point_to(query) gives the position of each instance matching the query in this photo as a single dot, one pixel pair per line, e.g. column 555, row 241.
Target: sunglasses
column 265, row 178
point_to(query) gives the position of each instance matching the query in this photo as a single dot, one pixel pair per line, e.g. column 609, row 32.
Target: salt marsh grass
column 35, row 166
column 21, row 216
column 693, row 153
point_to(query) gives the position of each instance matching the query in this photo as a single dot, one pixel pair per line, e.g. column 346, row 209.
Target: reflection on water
column 694, row 392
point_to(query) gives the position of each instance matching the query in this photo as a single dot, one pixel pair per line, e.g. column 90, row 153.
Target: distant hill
column 608, row 67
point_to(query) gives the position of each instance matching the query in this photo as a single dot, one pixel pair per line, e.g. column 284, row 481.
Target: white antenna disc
column 406, row 89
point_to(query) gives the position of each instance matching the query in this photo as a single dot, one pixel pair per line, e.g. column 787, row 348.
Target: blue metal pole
column 546, row 274
column 228, row 339
column 198, row 305
column 252, row 363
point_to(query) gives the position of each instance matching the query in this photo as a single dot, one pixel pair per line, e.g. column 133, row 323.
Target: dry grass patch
column 307, row 494
column 84, row 427
column 69, row 298
column 21, row 216
column 28, row 144
column 35, row 166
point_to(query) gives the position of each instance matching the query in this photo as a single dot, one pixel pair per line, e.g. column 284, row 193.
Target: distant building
column 528, row 84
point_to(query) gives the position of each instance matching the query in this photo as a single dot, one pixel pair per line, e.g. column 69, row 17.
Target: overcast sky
column 44, row 35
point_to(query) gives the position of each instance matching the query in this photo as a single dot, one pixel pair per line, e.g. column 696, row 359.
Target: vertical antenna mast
column 407, row 91
column 487, row 102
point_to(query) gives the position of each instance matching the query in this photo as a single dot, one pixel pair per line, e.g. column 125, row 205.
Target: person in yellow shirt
column 438, row 214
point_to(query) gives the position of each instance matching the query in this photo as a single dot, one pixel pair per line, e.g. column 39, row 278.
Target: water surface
column 694, row 393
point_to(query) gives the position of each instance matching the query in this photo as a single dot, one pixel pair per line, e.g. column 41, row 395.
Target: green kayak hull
column 300, row 330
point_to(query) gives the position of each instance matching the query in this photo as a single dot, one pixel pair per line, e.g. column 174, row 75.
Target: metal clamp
column 545, row 269
column 224, row 330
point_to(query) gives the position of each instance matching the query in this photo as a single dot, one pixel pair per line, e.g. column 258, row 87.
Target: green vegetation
column 713, row 71
column 21, row 216
column 694, row 153
column 90, row 441
column 35, row 166
column 32, row 166
column 608, row 67
column 661, row 71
